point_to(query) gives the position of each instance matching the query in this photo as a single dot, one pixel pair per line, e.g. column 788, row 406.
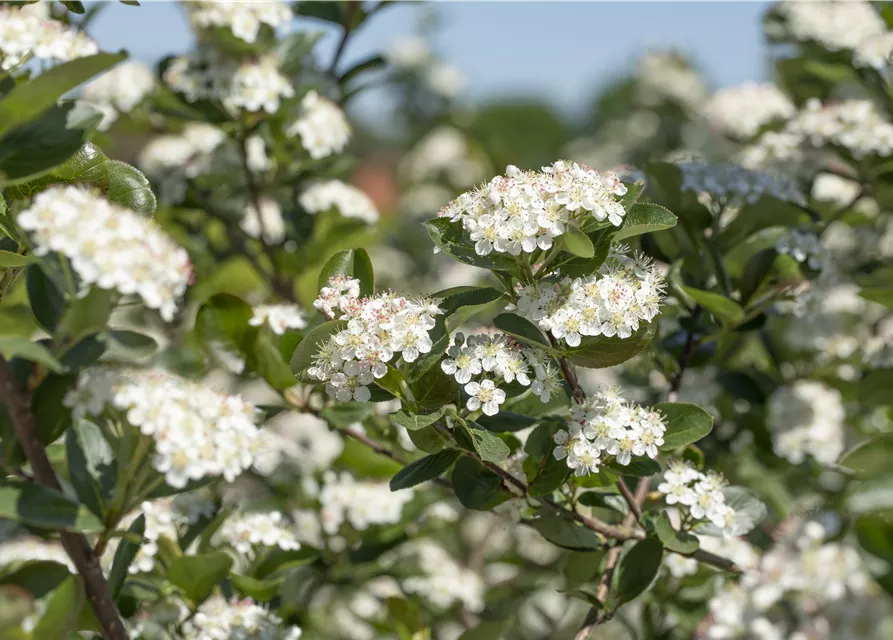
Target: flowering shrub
column 654, row 395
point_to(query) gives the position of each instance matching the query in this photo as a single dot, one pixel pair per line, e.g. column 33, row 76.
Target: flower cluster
column 702, row 494
column 268, row 225
column 334, row 194
column 834, row 25
column 246, row 532
column 360, row 503
column 252, row 85
column 856, row 125
column 279, row 317
column 741, row 111
column 807, row 418
column 526, row 210
column 803, row 246
column 443, row 582
column 198, row 432
column 378, row 328
column 218, row 618
column 31, row 549
column 626, row 291
column 28, row 31
column 666, row 74
column 497, row 359
column 803, row 587
column 875, row 52
column 734, row 185
column 339, row 295
column 109, row 246
column 322, row 126
column 170, row 160
column 300, row 441
column 243, row 19
column 119, row 90
column 607, row 424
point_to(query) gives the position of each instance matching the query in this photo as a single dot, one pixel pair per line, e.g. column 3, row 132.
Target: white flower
column 408, row 52
column 856, row 125
column 298, row 442
column 269, row 224
column 322, row 126
column 741, row 111
column 244, row 19
column 806, row 418
column 109, row 247
column 484, row 395
column 834, row 25
column 441, row 580
column 236, row 619
column 28, row 31
column 804, row 246
column 169, row 160
column 334, row 194
column 279, row 317
column 338, row 296
column 875, row 52
column 119, row 90
column 246, row 532
column 446, row 80
column 359, row 503
column 197, row 432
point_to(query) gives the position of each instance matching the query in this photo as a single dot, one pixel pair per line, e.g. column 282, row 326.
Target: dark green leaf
column 601, row 351
column 371, row 63
column 638, row 467
column 448, row 236
column 88, row 315
column 522, row 330
column 17, row 347
column 489, row 447
column 638, row 568
column 75, row 6
column 686, row 423
column 268, row 362
column 645, row 217
column 487, row 630
column 725, row 309
column 415, row 421
column 566, row 534
column 757, row 269
column 197, row 575
column 279, row 561
column 476, row 487
column 678, row 541
column 874, row 389
column 353, row 263
column 45, row 508
column 302, row 359
column 46, row 300
column 124, row 555
column 578, row 243
column 85, row 485
column 63, row 610
column 505, row 422
column 327, row 10
column 258, row 590
column 86, row 352
column 460, row 304
column 434, row 389
column 50, row 412
column 130, row 345
column 881, row 295
column 129, row 188
column 424, row 469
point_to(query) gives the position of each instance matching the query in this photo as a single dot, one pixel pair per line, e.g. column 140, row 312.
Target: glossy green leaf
column 686, row 424
column 578, row 243
column 131, row 345
column 505, row 422
column 353, row 263
column 678, row 541
column 316, row 338
column 644, row 217
column 522, row 330
column 638, row 568
column 415, row 421
column 434, row 389
column 45, row 508
column 46, row 299
column 460, row 304
column 601, row 351
column 726, row 310
column 476, row 487
column 327, row 10
column 82, row 479
column 638, row 467
column 197, row 575
column 128, row 187
column 424, row 469
column 566, row 533
column 448, row 236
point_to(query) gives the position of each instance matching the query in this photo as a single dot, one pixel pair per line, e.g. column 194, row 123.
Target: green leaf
column 645, row 217
column 460, row 304
column 124, row 555
column 75, row 6
column 30, row 99
column 45, row 508
column 870, row 458
column 578, row 243
column 424, row 469
column 280, row 561
column 757, row 269
column 874, row 496
column 678, row 541
column 749, row 511
column 268, row 362
column 448, row 236
column 316, row 338
column 476, row 487
column 487, row 630
column 434, row 389
column 765, row 212
column 290, row 51
column 686, row 423
column 505, row 422
column 372, row 63
column 874, row 389
column 258, row 590
column 415, row 421
column 881, row 295
column 48, row 405
column 566, row 534
column 490, row 447
column 16, row 604
column 34, row 148
column 345, row 414
column 17, row 347
column 63, row 610
column 131, row 345
column 726, row 311
column 87, row 316
column 327, row 10
column 86, row 487
column 522, row 330
column 10, row 260
column 197, row 575
column 128, row 187
column 46, row 300
column 638, row 467
column 353, row 263
column 638, row 568
column 601, row 351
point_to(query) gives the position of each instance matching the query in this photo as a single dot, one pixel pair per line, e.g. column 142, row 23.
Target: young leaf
column 686, row 423
column 424, row 469
column 678, row 541
column 124, row 555
column 638, row 568
column 578, row 243
column 197, row 575
column 476, row 487
column 726, row 310
column 644, row 217
column 566, row 534
column 415, row 421
column 601, row 351
column 11, row 260
column 45, row 508
column 352, row 263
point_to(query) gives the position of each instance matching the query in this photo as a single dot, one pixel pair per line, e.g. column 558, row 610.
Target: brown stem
column 631, row 500
column 18, row 407
column 352, row 9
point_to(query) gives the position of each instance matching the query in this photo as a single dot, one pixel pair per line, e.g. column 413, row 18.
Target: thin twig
column 634, row 507
column 18, row 406
column 352, row 8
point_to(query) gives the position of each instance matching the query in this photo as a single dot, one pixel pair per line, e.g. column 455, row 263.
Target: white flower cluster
column 497, row 359
column 665, row 74
column 443, row 152
column 244, row 19
column 31, row 549
column 408, row 52
column 298, row 441
column 198, row 432
column 279, row 317
column 170, row 160
column 334, row 194
column 269, row 225
column 119, row 90
column 702, row 496
column 856, row 125
column 734, row 185
column 378, row 328
column 802, row 588
column 807, row 419
column 252, row 85
column 28, row 31
column 804, row 246
column 445, row 582
column 626, row 291
column 109, row 246
column 340, row 294
column 219, row 619
column 246, row 532
column 607, row 424
column 322, row 126
column 526, row 210
column 875, row 52
column 834, row 25
column 741, row 111
column 361, row 503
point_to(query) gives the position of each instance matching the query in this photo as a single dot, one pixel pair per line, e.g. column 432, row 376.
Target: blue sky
column 557, row 50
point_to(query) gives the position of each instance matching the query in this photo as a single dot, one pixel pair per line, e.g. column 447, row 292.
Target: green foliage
column 566, row 534
column 638, row 568
column 424, row 469
column 686, row 424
